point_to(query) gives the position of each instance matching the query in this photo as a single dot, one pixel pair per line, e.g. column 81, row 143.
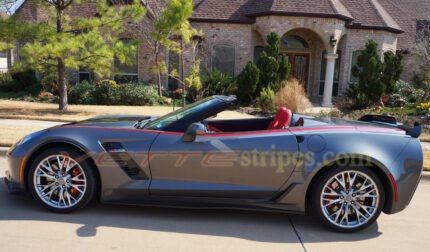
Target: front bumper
column 12, row 187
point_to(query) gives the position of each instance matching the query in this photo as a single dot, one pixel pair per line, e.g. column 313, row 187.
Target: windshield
column 170, row 118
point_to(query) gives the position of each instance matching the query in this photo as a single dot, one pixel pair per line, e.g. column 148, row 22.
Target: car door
column 247, row 165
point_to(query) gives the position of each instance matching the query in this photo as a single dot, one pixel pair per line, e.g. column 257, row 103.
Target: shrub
column 26, row 78
column 20, row 81
column 332, row 113
column 194, row 82
column 368, row 71
column 216, row 83
column 266, row 100
column 409, row 92
column 284, row 71
column 424, row 108
column 274, row 67
column 293, row 96
column 8, row 84
column 107, row 94
column 422, row 81
column 34, row 89
column 50, row 81
column 107, row 82
column 393, row 68
column 424, row 105
column 82, row 93
column 375, row 78
column 139, row 94
column 269, row 68
column 247, row 82
column 110, row 93
column 360, row 100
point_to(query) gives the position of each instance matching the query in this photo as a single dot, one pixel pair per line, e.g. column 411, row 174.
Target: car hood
column 115, row 121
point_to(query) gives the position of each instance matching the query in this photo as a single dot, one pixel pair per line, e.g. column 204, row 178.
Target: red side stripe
column 396, row 192
column 263, row 132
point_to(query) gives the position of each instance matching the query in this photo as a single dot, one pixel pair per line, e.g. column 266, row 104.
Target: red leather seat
column 213, row 128
column 282, row 119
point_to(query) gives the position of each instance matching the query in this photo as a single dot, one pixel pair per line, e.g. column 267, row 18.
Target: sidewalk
column 3, row 151
column 35, row 123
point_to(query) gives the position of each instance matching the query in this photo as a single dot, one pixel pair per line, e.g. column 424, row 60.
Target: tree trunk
column 61, row 70
column 62, row 84
column 157, row 65
column 184, row 94
column 160, row 91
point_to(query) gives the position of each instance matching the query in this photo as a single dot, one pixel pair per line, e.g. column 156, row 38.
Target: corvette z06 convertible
column 344, row 172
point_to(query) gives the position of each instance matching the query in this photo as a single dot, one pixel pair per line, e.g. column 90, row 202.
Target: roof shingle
column 362, row 13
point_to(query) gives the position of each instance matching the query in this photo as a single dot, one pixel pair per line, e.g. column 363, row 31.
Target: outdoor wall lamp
column 333, row 41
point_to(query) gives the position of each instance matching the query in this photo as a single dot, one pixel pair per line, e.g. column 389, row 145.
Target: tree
column 393, row 68
column 247, row 82
column 368, row 71
column 274, row 67
column 193, row 81
column 173, row 22
column 422, row 49
column 284, row 71
column 64, row 42
column 375, row 78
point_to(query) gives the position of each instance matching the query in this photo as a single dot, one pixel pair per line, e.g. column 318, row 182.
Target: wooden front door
column 299, row 63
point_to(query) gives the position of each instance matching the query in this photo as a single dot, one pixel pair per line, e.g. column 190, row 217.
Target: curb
column 425, row 175
column 3, row 151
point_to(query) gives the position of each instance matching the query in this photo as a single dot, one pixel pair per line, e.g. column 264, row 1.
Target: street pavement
column 425, row 145
column 25, row 226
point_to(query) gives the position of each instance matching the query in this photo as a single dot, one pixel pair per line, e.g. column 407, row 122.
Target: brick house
column 322, row 39
column 4, row 62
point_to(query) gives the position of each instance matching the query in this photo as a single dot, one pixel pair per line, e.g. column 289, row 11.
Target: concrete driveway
column 25, row 226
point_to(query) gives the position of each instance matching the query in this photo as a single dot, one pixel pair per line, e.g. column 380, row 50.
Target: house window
column 354, row 59
column 257, row 52
column 3, row 62
column 336, row 76
column 293, row 42
column 84, row 75
column 173, row 83
column 223, row 59
column 423, row 26
column 126, row 72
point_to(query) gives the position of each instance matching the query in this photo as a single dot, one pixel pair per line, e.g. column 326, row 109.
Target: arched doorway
column 297, row 50
column 304, row 47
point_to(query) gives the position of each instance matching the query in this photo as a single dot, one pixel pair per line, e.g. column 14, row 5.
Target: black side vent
column 124, row 160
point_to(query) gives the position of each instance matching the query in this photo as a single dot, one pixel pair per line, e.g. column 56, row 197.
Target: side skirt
column 199, row 203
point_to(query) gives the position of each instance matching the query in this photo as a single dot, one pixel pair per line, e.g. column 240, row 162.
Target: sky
column 17, row 4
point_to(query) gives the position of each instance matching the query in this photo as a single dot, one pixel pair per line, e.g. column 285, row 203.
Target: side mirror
column 193, row 131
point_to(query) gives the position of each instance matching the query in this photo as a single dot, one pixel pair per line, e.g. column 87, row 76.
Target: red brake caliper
column 75, row 173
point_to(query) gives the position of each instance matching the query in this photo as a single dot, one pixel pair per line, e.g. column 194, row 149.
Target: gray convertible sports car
column 344, row 172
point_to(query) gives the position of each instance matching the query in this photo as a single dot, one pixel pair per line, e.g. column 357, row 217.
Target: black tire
column 87, row 167
column 318, row 188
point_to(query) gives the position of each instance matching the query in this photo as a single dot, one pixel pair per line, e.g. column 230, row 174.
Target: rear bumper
column 406, row 171
column 12, row 187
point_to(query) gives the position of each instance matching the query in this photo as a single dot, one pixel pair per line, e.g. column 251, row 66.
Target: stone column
column 9, row 55
column 329, row 74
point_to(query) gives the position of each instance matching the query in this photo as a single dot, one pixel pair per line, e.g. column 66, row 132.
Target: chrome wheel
column 349, row 199
column 60, row 181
